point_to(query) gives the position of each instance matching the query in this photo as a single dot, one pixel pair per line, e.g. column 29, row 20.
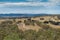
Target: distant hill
column 22, row 15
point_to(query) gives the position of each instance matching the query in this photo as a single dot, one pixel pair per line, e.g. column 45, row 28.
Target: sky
column 30, row 6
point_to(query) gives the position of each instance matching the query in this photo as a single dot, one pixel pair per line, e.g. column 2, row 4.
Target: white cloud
column 31, row 11
column 25, row 4
column 49, row 5
column 55, row 1
column 34, row 0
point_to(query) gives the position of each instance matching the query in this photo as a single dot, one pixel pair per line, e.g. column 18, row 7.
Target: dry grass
column 36, row 27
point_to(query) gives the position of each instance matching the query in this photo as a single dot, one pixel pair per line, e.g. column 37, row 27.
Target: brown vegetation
column 30, row 29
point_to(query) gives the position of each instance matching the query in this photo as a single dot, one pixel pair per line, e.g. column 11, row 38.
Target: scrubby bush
column 54, row 23
column 19, row 22
column 46, row 22
column 7, row 22
column 58, row 17
column 29, row 22
column 11, row 32
column 7, row 29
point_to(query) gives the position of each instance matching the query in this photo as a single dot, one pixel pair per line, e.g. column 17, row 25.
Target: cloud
column 50, row 3
column 55, row 1
column 32, row 0
column 30, row 11
column 25, row 4
column 52, row 6
column 28, row 4
column 37, row 0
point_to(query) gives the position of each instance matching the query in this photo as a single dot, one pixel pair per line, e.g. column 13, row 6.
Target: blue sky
column 30, row 6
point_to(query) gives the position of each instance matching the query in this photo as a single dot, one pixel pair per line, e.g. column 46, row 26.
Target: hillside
column 31, row 28
column 32, row 22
